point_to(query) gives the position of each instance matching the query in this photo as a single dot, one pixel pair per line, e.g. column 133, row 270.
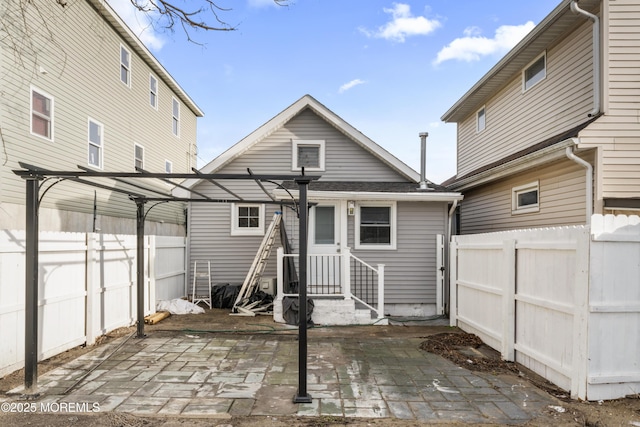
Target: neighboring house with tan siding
column 550, row 135
column 80, row 89
column 366, row 201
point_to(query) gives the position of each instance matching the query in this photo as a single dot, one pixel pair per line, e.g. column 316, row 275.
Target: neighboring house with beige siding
column 79, row 89
column 366, row 201
column 550, row 135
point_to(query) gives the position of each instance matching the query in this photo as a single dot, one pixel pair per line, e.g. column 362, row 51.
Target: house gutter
column 596, row 56
column 588, row 181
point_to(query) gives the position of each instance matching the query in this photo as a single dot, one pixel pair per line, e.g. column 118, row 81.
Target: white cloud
column 139, row 23
column 472, row 46
column 345, row 87
column 402, row 25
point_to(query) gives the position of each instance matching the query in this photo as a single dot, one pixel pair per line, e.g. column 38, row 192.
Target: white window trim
column 524, row 72
column 129, row 67
column 89, row 143
column 135, row 144
column 515, row 191
column 484, row 125
column 45, row 94
column 394, row 226
column 155, row 107
column 174, row 100
column 237, row 231
column 295, row 143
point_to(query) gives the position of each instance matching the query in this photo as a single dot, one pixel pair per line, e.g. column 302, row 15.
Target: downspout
column 447, row 263
column 589, row 182
column 596, row 56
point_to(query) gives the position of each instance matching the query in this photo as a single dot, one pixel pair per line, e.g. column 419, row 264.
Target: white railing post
column 380, row 291
column 346, row 274
column 280, row 273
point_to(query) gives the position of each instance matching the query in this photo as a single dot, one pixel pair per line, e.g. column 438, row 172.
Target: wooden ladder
column 254, row 276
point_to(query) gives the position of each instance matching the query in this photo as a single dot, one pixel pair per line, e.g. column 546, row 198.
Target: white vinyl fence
column 564, row 302
column 87, row 287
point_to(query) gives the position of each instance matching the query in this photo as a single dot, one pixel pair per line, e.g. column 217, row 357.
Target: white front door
column 325, row 235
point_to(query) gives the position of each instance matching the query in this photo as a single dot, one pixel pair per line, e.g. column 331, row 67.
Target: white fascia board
column 425, row 196
column 546, row 155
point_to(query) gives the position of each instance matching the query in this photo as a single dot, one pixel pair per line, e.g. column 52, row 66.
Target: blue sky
column 390, row 69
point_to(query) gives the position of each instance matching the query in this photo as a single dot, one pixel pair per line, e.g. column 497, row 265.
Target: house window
column 376, row 227
column 41, row 114
column 176, row 117
column 125, row 66
column 247, row 220
column 96, row 140
column 480, row 120
column 535, row 72
column 168, row 166
column 153, row 92
column 525, row 198
column 308, row 155
column 138, row 156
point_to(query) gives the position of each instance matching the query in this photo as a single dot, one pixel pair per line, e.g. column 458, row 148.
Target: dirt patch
column 468, row 351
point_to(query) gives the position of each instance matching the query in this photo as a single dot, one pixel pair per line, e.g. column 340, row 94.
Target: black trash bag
column 261, row 296
column 291, row 309
column 224, row 295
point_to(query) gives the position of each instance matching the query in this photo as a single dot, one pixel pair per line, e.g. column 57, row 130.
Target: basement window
column 525, row 198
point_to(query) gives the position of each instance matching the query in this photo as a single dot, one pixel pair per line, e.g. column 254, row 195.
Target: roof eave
column 363, row 195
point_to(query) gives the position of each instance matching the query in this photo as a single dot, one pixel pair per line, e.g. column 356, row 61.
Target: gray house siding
column 77, row 62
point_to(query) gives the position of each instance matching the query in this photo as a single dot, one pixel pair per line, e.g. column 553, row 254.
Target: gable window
column 308, row 155
column 168, row 166
column 480, row 120
column 153, row 92
column 525, row 198
column 247, row 219
column 125, row 66
column 41, row 114
column 535, row 72
column 96, row 138
column 176, row 117
column 138, row 156
column 376, row 226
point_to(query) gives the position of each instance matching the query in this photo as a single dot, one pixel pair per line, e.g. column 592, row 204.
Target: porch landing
column 335, row 311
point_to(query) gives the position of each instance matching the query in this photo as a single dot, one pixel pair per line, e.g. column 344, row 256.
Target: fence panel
column 87, row 287
column 614, row 307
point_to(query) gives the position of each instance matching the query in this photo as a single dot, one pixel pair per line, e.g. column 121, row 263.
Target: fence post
column 509, row 300
column 345, row 273
column 439, row 273
column 152, row 274
column 581, row 316
column 380, row 291
column 91, row 287
column 453, row 282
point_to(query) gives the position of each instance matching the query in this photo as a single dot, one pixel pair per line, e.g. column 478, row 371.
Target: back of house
column 366, row 202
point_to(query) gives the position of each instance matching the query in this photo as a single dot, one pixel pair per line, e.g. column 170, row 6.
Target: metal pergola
column 140, row 194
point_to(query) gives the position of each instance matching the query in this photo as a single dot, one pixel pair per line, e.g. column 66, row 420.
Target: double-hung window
column 125, row 66
column 481, row 120
column 176, row 117
column 41, row 114
column 525, row 198
column 376, row 225
column 96, row 143
column 308, row 155
column 535, row 72
column 247, row 219
column 153, row 91
column 138, row 156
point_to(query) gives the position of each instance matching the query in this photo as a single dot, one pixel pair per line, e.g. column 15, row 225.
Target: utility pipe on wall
column 589, row 182
column 596, row 56
column 423, row 161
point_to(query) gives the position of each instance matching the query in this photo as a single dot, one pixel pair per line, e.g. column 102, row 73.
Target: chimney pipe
column 423, row 160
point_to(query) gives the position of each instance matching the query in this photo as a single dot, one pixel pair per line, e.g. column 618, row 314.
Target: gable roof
column 552, row 28
column 109, row 15
column 277, row 122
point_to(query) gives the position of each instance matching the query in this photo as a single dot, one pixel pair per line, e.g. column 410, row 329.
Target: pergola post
column 140, row 266
column 31, row 287
column 302, row 395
